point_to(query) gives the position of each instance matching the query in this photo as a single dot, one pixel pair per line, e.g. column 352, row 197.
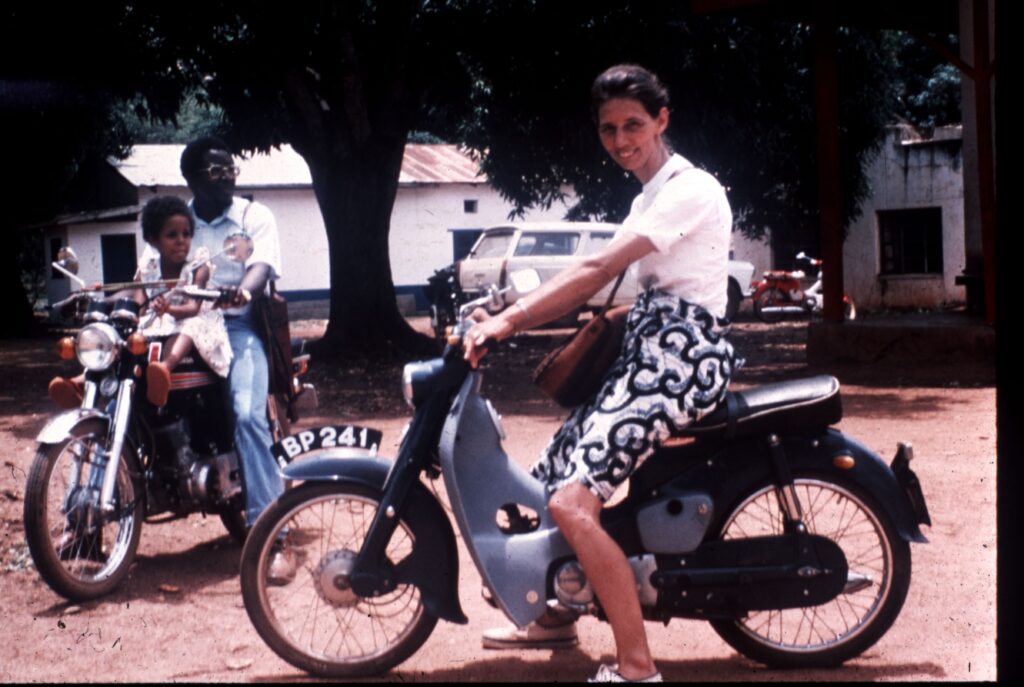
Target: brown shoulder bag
column 572, row 372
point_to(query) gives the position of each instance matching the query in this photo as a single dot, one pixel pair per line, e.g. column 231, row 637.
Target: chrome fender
column 60, row 426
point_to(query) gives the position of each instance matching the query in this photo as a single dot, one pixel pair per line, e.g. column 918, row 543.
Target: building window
column 119, row 257
column 469, row 207
column 911, row 241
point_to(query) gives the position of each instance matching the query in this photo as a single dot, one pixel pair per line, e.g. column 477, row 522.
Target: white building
column 907, row 248
column 442, row 202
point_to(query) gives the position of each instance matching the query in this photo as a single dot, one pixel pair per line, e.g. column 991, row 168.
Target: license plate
column 328, row 437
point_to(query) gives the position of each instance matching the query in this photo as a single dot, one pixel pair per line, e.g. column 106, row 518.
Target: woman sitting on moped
column 675, row 362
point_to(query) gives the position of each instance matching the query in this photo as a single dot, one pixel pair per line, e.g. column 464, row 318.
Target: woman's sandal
column 610, row 673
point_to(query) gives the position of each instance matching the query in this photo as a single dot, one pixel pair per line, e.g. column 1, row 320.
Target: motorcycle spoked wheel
column 770, row 297
column 877, row 582
column 77, row 565
column 316, row 622
column 232, row 516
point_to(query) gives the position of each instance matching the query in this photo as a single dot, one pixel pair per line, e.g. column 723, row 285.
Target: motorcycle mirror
column 67, row 262
column 238, row 247
column 801, row 255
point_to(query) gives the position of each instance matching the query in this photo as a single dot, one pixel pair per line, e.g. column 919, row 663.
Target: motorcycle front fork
column 122, row 414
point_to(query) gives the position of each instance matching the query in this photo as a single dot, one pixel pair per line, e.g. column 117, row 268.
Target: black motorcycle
column 104, row 468
column 445, row 296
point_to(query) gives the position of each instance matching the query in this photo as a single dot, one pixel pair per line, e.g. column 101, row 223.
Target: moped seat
column 783, row 406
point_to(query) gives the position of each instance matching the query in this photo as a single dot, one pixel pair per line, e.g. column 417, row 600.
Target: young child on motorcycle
column 167, row 225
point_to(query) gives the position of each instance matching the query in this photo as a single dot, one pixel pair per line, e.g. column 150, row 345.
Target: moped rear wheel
column 79, row 554
column 317, row 622
column 769, row 298
column 877, row 582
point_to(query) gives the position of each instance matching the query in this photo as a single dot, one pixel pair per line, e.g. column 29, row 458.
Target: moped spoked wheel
column 316, row 622
column 79, row 557
column 771, row 297
column 877, row 581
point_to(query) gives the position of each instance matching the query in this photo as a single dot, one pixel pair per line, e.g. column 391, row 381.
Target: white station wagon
column 550, row 247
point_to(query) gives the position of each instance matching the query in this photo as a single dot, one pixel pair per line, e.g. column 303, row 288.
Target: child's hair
column 156, row 213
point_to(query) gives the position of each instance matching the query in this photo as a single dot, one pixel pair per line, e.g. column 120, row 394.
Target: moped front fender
column 60, row 427
column 433, row 565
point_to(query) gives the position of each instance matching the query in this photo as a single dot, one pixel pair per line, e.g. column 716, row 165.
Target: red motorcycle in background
column 781, row 293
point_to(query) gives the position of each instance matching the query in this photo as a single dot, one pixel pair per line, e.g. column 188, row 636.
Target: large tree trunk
column 15, row 310
column 356, row 195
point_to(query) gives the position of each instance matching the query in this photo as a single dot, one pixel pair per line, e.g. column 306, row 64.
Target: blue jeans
column 248, row 379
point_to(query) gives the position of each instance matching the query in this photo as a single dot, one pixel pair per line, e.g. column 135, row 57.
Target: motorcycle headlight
column 97, row 346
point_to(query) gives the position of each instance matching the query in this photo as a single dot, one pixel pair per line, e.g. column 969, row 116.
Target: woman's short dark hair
column 192, row 156
column 628, row 81
column 158, row 210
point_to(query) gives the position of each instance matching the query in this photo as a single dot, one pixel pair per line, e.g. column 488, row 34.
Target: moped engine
column 573, row 589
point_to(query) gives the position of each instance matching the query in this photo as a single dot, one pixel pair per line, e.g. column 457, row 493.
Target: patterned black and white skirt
column 674, row 368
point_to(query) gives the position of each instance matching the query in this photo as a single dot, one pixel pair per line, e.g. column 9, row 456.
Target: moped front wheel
column 316, row 621
column 876, row 587
column 79, row 552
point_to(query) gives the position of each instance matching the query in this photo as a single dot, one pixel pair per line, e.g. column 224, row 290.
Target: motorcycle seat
column 799, row 404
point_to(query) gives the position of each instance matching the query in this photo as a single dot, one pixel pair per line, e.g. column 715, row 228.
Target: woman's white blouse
column 684, row 212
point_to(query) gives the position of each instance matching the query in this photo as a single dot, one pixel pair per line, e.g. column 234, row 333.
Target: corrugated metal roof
column 158, row 165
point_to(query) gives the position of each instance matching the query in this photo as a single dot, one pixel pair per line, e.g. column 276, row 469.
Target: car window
column 546, row 243
column 598, row 240
column 492, row 246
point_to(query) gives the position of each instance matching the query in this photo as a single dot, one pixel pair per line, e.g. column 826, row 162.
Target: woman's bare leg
column 577, row 511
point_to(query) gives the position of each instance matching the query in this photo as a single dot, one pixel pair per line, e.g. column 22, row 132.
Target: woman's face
column 175, row 239
column 632, row 137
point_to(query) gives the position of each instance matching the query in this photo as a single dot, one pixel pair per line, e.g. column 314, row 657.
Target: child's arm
column 191, row 307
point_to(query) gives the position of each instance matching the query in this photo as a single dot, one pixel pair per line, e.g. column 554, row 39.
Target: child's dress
column 206, row 329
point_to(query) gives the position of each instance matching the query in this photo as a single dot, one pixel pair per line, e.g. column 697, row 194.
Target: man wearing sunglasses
column 210, row 172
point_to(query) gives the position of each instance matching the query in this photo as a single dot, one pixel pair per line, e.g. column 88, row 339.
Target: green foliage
column 742, row 105
column 196, row 117
column 927, row 87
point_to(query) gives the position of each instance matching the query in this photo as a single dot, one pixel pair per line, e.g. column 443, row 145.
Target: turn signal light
column 844, row 462
column 136, row 344
column 66, row 348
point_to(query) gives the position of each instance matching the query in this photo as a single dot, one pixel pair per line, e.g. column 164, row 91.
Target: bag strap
column 611, row 296
column 271, row 282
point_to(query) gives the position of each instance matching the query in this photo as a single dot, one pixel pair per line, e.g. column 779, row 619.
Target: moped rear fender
column 737, row 468
column 433, row 565
column 60, row 426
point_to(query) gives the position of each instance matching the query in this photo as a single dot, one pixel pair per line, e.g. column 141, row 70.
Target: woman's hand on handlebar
column 487, row 328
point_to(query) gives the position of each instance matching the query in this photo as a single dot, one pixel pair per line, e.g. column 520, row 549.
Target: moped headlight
column 97, row 346
column 418, row 380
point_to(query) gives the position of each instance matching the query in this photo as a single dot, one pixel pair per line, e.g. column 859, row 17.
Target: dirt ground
column 179, row 616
